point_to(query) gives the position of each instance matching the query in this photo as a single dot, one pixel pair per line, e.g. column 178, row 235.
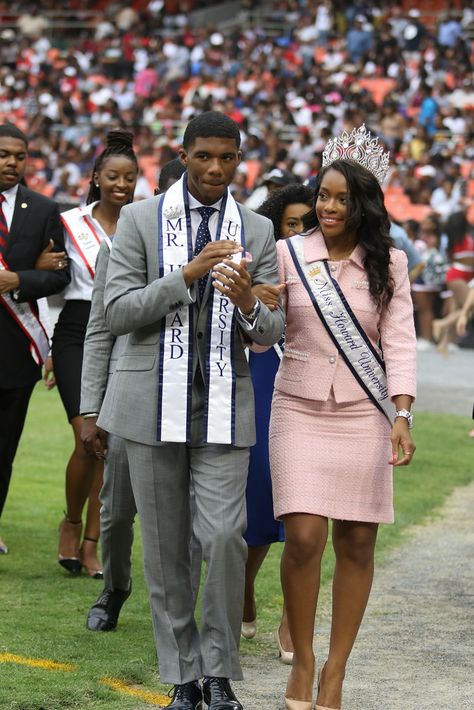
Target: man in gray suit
column 117, row 513
column 182, row 398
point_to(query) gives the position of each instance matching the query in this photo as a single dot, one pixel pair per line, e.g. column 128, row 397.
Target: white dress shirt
column 8, row 206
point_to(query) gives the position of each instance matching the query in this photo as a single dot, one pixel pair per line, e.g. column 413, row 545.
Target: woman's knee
column 305, row 542
column 355, row 544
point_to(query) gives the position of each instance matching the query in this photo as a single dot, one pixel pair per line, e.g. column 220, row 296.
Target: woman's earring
column 97, row 184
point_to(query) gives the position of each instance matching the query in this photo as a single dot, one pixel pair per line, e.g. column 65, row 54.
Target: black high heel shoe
column 95, row 573
column 73, row 529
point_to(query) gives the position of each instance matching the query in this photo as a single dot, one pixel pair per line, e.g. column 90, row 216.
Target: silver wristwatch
column 406, row 415
column 250, row 317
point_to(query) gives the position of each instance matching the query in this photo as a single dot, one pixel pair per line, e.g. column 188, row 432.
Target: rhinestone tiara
column 358, row 145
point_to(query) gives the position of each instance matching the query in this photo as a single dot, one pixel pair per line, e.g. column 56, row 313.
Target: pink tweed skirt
column 331, row 459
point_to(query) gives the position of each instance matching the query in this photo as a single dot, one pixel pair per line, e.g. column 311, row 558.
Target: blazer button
column 199, row 335
column 260, row 329
column 332, row 359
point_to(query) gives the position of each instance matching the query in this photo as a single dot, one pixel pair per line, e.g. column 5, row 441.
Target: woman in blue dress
column 285, row 208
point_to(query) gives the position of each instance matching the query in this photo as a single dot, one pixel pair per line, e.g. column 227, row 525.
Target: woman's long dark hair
column 279, row 199
column 457, row 226
column 118, row 142
column 369, row 219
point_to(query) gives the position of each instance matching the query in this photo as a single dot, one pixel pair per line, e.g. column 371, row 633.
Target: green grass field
column 43, row 610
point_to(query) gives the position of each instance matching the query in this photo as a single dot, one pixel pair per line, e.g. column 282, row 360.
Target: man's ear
column 183, row 156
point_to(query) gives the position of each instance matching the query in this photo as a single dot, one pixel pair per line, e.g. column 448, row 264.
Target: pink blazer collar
column 315, row 249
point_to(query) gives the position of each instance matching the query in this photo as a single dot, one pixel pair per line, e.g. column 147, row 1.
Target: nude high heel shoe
column 322, row 707
column 291, row 704
column 285, row 657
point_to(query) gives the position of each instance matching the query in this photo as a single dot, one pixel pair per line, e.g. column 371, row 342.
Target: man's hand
column 212, row 254
column 94, row 439
column 233, row 280
column 8, row 281
column 269, row 294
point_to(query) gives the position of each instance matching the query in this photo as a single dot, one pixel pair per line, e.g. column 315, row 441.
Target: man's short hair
column 211, row 124
column 8, row 130
column 170, row 171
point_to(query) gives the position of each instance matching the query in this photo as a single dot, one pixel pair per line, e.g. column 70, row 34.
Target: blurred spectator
column 271, row 181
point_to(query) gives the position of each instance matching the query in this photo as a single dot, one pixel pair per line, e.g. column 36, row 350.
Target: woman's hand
column 50, row 260
column 48, row 373
column 401, row 440
column 269, row 294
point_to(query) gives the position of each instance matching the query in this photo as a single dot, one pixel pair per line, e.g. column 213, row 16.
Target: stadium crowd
column 291, row 73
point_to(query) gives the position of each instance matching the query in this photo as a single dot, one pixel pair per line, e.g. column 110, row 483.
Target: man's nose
column 215, row 165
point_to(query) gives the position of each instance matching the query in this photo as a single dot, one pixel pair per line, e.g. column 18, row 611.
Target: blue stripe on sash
column 163, row 321
column 190, row 311
column 162, row 325
column 329, row 331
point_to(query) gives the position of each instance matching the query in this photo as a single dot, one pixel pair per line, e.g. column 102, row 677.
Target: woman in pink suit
column 333, row 440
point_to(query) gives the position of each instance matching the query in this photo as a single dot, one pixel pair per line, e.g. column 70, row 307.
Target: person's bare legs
column 444, row 329
column 306, row 537
column 354, row 546
column 255, row 558
column 80, row 475
column 89, row 555
column 424, row 302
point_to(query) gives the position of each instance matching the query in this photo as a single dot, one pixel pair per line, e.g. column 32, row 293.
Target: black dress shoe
column 218, row 694
column 103, row 616
column 187, row 696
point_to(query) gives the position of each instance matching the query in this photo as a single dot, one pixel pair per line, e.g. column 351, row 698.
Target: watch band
column 250, row 317
column 406, row 415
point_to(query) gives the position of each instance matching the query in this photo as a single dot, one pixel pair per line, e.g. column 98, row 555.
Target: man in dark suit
column 28, row 221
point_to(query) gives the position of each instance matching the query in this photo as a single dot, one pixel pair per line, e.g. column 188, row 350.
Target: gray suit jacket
column 136, row 301
column 101, row 348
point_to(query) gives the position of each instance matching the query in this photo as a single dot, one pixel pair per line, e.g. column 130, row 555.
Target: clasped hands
column 229, row 277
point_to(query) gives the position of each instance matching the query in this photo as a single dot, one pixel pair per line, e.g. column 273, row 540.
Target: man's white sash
column 175, row 246
column 84, row 234
column 330, row 304
column 29, row 322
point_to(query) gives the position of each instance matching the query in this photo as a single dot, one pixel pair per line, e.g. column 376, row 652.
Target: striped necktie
column 4, row 233
column 203, row 237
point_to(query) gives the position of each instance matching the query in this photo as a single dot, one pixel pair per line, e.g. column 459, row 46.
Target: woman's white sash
column 84, row 235
column 175, row 246
column 29, row 322
column 330, row 304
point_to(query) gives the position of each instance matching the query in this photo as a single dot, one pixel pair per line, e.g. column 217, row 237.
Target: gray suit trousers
column 161, row 477
column 117, row 514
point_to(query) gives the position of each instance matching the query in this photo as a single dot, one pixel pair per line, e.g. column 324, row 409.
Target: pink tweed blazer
column 312, row 365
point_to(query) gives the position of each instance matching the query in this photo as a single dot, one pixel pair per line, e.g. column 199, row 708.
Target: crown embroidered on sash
column 358, row 145
column 173, row 211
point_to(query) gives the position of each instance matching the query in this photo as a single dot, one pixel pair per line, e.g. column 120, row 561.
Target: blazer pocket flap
column 295, row 354
column 136, row 362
